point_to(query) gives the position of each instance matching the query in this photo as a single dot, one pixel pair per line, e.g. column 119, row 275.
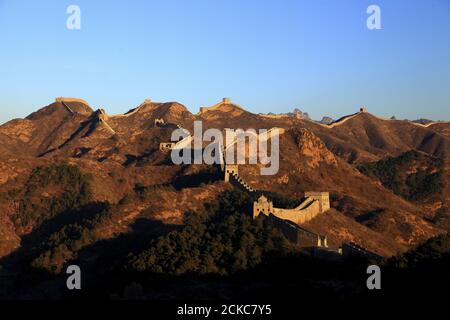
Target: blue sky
column 267, row 55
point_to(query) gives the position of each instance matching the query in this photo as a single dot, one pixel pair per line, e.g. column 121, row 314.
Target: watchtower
column 323, row 197
column 263, row 205
column 230, row 169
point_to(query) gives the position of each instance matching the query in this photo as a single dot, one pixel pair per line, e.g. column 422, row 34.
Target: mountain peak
column 75, row 105
column 63, row 107
column 224, row 106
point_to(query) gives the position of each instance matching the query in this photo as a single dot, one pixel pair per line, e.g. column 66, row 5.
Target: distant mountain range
column 297, row 113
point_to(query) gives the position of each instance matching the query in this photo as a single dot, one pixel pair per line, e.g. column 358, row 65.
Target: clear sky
column 267, row 55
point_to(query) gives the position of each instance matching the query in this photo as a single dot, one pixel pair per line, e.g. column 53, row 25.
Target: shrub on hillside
column 224, row 241
column 393, row 174
column 75, row 191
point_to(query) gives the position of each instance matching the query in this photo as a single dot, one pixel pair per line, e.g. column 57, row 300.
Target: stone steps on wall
column 242, row 182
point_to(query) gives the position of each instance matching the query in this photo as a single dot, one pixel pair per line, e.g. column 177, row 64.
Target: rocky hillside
column 120, row 158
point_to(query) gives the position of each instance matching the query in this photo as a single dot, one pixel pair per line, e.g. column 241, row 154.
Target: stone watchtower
column 363, row 109
column 230, row 169
column 323, row 197
column 262, row 206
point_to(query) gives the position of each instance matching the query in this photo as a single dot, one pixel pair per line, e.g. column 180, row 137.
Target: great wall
column 289, row 221
column 364, row 110
column 102, row 117
column 65, row 99
column 133, row 111
column 225, row 101
column 314, row 204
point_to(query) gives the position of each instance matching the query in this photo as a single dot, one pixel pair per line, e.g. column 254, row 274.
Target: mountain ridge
column 122, row 151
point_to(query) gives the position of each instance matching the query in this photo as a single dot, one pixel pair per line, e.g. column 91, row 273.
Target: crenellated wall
column 314, row 204
column 236, row 180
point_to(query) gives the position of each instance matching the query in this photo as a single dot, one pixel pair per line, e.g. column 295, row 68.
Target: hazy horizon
column 271, row 56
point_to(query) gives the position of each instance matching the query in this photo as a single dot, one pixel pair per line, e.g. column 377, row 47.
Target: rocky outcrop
column 326, row 120
column 312, row 148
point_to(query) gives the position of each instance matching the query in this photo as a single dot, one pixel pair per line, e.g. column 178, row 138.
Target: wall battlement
column 237, row 180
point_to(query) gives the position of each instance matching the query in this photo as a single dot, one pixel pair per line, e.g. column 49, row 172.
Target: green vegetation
column 432, row 254
column 70, row 186
column 223, row 242
column 63, row 245
column 412, row 175
column 422, row 185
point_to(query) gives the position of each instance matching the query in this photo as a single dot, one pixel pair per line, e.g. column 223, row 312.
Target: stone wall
column 61, row 99
column 236, row 180
column 300, row 237
column 299, row 216
column 314, row 204
column 229, row 170
column 351, row 250
column 224, row 101
column 322, row 197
